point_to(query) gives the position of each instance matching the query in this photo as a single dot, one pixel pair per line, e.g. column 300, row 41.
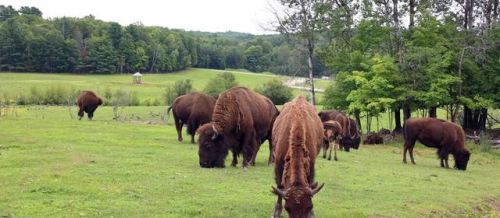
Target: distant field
column 54, row 166
column 153, row 87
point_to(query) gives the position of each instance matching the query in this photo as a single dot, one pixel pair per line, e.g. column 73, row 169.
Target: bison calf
column 446, row 136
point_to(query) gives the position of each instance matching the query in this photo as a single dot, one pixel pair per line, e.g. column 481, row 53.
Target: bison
column 350, row 137
column 446, row 136
column 88, row 103
column 373, row 138
column 297, row 136
column 332, row 130
column 241, row 121
column 193, row 109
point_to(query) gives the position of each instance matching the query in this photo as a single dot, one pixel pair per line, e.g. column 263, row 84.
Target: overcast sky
column 203, row 15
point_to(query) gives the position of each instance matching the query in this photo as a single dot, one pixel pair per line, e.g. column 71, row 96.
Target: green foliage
column 275, row 90
column 180, row 87
column 220, row 83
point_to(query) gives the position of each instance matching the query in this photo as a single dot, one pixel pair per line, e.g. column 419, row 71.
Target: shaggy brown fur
column 88, row 103
column 373, row 138
column 297, row 136
column 193, row 109
column 241, row 121
column 332, row 130
column 446, row 136
column 350, row 137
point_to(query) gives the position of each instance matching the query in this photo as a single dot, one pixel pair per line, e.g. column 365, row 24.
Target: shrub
column 220, row 83
column 180, row 87
column 134, row 99
column 276, row 91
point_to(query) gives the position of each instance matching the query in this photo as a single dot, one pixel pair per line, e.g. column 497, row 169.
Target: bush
column 134, row 99
column 180, row 87
column 220, row 83
column 276, row 91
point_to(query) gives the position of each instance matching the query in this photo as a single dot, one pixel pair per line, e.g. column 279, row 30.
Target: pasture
column 52, row 165
column 153, row 87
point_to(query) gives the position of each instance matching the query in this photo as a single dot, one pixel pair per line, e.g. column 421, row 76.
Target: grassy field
column 52, row 165
column 153, row 87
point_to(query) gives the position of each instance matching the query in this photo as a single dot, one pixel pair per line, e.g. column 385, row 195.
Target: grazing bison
column 332, row 130
column 241, row 121
column 88, row 103
column 350, row 137
column 373, row 138
column 297, row 136
column 446, row 136
column 193, row 109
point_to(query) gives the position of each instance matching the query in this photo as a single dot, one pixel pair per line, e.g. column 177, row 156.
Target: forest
column 393, row 56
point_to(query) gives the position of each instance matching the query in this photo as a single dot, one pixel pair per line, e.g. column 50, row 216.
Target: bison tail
column 168, row 113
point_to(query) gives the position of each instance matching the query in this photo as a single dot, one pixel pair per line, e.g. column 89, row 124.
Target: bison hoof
column 335, row 158
column 329, row 158
column 179, row 139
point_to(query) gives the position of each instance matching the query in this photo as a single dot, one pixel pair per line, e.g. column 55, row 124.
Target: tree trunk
column 397, row 119
column 358, row 119
column 495, row 12
column 406, row 112
column 311, row 79
column 412, row 14
column 482, row 119
column 433, row 112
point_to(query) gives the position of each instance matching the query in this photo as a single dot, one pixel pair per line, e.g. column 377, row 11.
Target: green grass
column 153, row 87
column 55, row 166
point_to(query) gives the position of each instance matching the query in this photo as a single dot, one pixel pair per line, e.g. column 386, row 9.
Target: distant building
column 137, row 78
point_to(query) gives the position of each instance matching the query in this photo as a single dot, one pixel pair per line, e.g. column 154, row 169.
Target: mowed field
column 52, row 165
column 153, row 87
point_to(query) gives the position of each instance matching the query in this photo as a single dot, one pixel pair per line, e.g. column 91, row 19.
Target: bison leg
column 408, row 146
column 80, row 114
column 446, row 162
column 192, row 138
column 334, row 152
column 271, row 152
column 235, row 160
column 411, row 155
column 325, row 149
column 249, row 147
column 330, row 147
column 278, row 208
column 178, row 127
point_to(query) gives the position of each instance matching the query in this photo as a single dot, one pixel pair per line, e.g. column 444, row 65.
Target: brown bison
column 88, row 103
column 373, row 138
column 350, row 137
column 193, row 109
column 241, row 121
column 332, row 130
column 297, row 136
column 446, row 136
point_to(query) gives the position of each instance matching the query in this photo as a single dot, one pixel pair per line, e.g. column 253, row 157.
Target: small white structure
column 137, row 78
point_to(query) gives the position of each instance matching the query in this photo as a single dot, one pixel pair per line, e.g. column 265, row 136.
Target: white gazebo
column 137, row 78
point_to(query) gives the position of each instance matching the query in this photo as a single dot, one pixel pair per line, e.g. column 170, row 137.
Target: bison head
column 461, row 159
column 212, row 149
column 298, row 200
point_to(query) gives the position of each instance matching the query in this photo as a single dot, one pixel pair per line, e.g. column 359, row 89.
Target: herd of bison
column 240, row 120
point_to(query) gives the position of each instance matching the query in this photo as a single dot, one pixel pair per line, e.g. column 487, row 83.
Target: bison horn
column 317, row 189
column 314, row 185
column 215, row 133
column 278, row 192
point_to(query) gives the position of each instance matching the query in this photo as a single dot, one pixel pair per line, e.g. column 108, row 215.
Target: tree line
column 88, row 45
